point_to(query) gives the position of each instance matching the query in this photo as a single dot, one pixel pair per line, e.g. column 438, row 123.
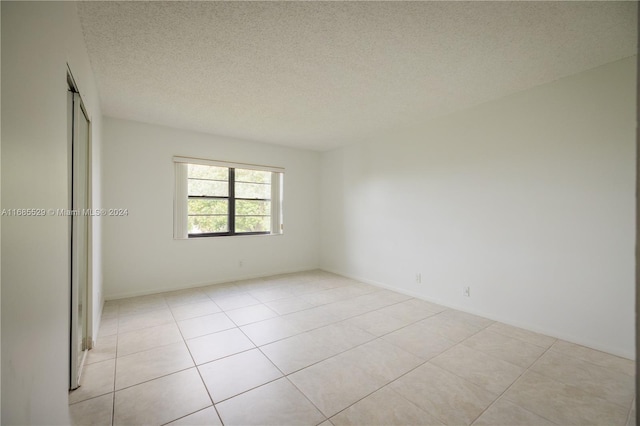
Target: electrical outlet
column 240, row 263
column 467, row 291
column 418, row 278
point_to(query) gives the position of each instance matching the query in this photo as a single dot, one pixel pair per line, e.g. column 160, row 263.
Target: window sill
column 217, row 237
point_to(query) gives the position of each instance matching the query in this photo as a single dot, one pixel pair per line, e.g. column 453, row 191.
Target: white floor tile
column 238, row 373
column 161, row 400
column 358, row 354
column 218, row 345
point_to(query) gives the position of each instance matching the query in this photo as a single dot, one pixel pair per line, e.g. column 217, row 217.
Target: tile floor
column 315, row 348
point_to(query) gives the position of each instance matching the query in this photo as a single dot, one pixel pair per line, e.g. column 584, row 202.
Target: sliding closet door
column 79, row 235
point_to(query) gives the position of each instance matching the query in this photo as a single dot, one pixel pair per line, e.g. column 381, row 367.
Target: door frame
column 75, row 367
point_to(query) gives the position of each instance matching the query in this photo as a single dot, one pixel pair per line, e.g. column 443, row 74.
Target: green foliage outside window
column 211, row 215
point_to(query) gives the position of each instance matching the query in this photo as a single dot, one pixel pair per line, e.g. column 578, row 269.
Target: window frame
column 231, row 208
column 182, row 197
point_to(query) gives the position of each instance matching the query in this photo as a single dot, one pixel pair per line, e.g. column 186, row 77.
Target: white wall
column 529, row 200
column 140, row 254
column 38, row 40
column 97, row 286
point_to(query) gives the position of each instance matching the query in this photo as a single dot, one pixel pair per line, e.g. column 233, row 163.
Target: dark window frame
column 231, row 209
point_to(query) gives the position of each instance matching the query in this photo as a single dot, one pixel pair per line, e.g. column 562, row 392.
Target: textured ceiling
column 323, row 74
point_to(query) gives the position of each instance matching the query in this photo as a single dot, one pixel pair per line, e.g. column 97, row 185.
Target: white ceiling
column 319, row 75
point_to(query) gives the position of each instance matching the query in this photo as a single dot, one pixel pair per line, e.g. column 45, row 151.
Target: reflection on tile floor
column 316, row 348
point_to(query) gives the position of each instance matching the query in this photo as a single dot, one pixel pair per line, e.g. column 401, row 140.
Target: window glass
column 226, row 201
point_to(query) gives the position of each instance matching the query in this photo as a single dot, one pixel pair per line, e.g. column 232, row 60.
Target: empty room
column 318, row 213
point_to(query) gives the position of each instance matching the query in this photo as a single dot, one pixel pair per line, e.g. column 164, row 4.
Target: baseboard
column 508, row 321
column 126, row 295
column 97, row 320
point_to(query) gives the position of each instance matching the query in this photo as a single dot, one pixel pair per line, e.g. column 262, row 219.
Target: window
column 215, row 198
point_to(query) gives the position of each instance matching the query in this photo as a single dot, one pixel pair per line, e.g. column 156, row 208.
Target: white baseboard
column 508, row 321
column 177, row 287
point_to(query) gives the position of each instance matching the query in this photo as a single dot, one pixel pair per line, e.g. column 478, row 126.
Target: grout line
column 113, row 408
column 226, row 356
column 307, row 398
column 92, row 398
column 195, row 365
column 386, row 384
column 155, row 378
column 117, row 318
column 149, row 349
column 249, row 390
column 334, row 321
column 502, row 395
column 285, row 376
column 337, row 321
column 186, row 415
column 427, row 361
column 364, row 343
column 412, row 369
